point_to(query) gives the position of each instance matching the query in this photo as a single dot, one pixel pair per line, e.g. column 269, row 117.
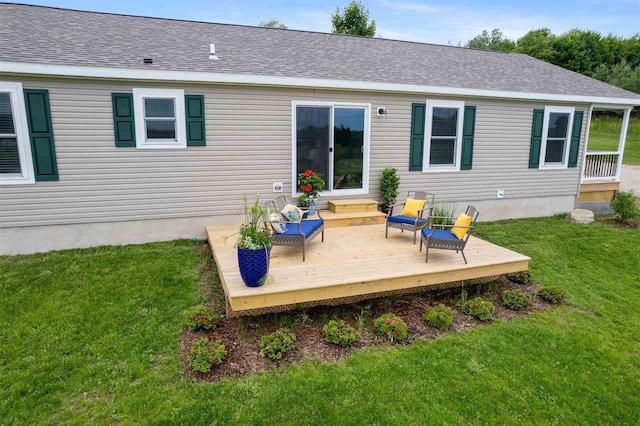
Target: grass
column 91, row 336
column 605, row 133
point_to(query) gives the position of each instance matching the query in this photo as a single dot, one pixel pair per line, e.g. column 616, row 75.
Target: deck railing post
column 622, row 141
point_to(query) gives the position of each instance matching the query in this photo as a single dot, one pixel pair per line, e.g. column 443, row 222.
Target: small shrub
column 201, row 318
column 624, row 204
column 479, row 308
column 515, row 299
column 390, row 325
column 204, row 354
column 276, row 344
column 389, row 182
column 522, row 277
column 553, row 295
column 440, row 316
column 340, row 333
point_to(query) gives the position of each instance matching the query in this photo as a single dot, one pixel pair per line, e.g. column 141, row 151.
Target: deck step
column 353, row 206
column 337, row 220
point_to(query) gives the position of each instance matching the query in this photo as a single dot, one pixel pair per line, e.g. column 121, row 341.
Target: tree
column 621, row 75
column 579, row 50
column 537, row 43
column 273, row 23
column 492, row 41
column 354, row 20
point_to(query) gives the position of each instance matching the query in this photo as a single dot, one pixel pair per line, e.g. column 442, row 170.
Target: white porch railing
column 601, row 165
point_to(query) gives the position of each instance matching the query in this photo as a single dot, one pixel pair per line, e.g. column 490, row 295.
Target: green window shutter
column 194, row 110
column 124, row 127
column 41, row 134
column 417, row 136
column 575, row 139
column 536, row 138
column 468, row 132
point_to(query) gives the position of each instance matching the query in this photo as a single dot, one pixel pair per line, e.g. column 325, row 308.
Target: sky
column 443, row 22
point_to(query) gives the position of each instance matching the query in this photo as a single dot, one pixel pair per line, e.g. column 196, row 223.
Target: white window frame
column 545, row 132
column 365, row 154
column 428, row 126
column 21, row 128
column 180, row 142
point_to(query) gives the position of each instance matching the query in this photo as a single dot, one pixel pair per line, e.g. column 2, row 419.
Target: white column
column 622, row 141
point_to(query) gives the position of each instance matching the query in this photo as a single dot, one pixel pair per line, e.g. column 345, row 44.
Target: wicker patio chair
column 444, row 239
column 298, row 234
column 413, row 224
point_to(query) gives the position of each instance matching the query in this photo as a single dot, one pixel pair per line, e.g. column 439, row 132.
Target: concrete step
column 353, row 206
column 337, row 220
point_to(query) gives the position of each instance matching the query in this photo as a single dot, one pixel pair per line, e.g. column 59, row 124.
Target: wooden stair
column 352, row 213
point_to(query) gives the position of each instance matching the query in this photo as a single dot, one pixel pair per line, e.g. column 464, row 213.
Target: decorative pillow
column 278, row 227
column 292, row 213
column 411, row 207
column 462, row 220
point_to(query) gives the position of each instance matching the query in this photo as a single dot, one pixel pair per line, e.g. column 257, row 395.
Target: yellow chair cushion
column 462, row 220
column 411, row 207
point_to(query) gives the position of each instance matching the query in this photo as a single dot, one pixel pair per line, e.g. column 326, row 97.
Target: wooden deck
column 353, row 263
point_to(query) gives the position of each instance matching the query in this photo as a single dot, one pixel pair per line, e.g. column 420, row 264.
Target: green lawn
column 604, row 135
column 91, row 336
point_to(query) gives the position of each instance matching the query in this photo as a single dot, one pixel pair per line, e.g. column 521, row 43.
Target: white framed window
column 556, row 137
column 160, row 118
column 443, row 136
column 16, row 163
column 332, row 139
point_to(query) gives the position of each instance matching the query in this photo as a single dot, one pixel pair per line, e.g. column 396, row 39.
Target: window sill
column 338, row 193
column 161, row 146
column 553, row 167
column 17, row 181
column 440, row 170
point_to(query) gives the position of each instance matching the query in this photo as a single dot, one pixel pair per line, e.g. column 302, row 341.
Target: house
column 122, row 129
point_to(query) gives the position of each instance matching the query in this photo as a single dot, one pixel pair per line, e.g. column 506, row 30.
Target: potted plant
column 310, row 184
column 254, row 245
column 389, row 182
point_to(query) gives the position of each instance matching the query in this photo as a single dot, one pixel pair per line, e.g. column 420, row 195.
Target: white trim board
column 266, row 80
column 21, row 129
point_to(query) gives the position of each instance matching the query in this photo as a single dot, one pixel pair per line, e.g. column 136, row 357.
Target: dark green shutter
column 536, row 138
column 41, row 134
column 468, row 131
column 417, row 136
column 194, row 109
column 575, row 139
column 124, row 126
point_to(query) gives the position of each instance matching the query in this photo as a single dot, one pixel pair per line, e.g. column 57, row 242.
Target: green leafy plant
column 390, row 325
column 253, row 234
column 553, row 295
column 276, row 344
column 522, row 277
column 353, row 19
column 202, row 318
column 389, row 183
column 445, row 213
column 515, row 299
column 340, row 333
column 479, row 308
column 310, row 184
column 625, row 205
column 439, row 316
column 205, row 353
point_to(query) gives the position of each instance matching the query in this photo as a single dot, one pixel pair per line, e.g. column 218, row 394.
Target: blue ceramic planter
column 254, row 266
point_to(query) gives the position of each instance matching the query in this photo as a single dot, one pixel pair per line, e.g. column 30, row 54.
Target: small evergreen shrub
column 440, row 316
column 624, row 204
column 204, row 354
column 276, row 344
column 389, row 182
column 553, row 295
column 340, row 333
column 515, row 299
column 201, row 318
column 479, row 308
column 390, row 325
column 522, row 277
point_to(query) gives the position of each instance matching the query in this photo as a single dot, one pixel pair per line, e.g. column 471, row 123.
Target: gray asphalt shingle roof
column 45, row 35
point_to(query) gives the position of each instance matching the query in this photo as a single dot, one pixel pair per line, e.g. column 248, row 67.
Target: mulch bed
column 241, row 336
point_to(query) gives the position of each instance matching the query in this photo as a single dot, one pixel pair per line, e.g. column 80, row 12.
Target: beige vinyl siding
column 249, row 148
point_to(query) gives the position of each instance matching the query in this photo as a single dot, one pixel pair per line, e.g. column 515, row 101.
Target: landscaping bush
column 522, row 277
column 340, row 333
column 204, row 354
column 515, row 299
column 276, row 344
column 553, row 295
column 390, row 325
column 624, row 204
column 440, row 316
column 389, row 182
column 201, row 318
column 479, row 308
